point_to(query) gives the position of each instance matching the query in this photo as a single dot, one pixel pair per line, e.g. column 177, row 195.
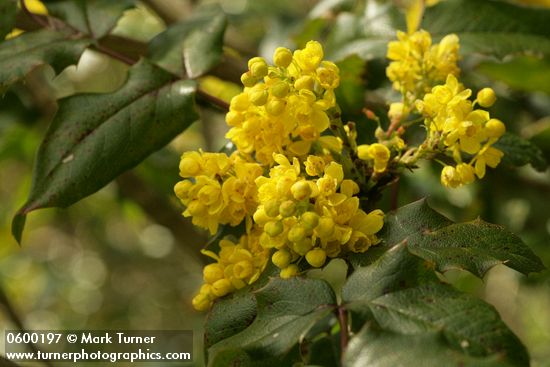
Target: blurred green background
column 124, row 258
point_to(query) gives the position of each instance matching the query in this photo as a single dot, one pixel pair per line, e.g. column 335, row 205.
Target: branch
column 12, row 314
column 220, row 103
column 39, row 20
column 344, row 337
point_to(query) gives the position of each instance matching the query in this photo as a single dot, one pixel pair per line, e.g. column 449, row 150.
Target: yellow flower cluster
column 313, row 215
column 417, row 65
column 451, row 119
column 217, row 189
column 283, row 108
column 237, row 265
column 295, row 205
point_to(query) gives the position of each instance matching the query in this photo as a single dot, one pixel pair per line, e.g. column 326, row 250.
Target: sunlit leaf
column 193, row 45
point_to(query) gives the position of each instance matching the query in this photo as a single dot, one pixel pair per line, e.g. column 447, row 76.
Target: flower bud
column 325, row 228
column 274, row 228
column 296, row 234
column 259, row 96
column 212, row 273
column 495, row 128
column 282, row 57
column 221, row 287
column 289, row 271
column 240, row 102
column 271, row 208
column 287, row 208
column 201, row 302
column 304, row 82
column 316, row 257
column 189, row 167
column 486, row 97
column 301, row 190
column 234, row 118
column 248, row 80
column 302, row 246
column 258, row 67
column 309, row 220
column 260, row 216
column 280, row 89
column 275, row 107
column 281, row 259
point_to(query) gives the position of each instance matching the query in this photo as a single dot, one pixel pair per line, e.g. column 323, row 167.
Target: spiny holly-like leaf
column 8, row 9
column 287, row 309
column 490, row 28
column 192, row 46
column 93, row 17
column 475, row 246
column 396, row 269
column 22, row 54
column 95, row 137
column 519, row 152
column 467, row 323
column 490, row 16
column 410, row 220
column 235, row 312
column 378, row 348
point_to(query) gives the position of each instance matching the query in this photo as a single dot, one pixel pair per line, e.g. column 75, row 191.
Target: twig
column 213, row 100
column 10, row 311
column 344, row 337
column 38, row 20
column 115, row 55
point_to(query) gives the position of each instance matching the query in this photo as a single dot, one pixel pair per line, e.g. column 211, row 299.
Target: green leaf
column 396, row 269
column 475, row 246
column 95, row 137
column 490, row 16
column 491, row 27
column 502, row 44
column 519, row 152
column 377, row 348
column 287, row 309
column 411, row 220
column 526, row 73
column 92, row 17
column 194, row 45
column 22, row 54
column 467, row 323
column 8, row 9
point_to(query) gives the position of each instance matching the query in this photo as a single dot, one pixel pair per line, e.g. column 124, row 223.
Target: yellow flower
column 453, row 177
column 488, row 156
column 217, row 189
column 237, row 265
column 378, row 153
